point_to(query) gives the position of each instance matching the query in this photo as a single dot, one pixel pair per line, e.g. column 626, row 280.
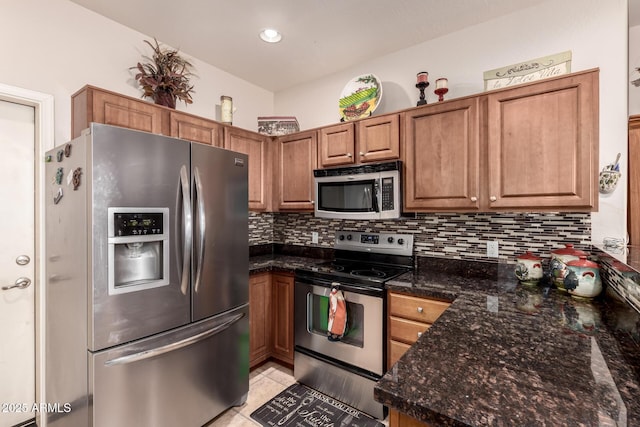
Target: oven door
column 363, row 343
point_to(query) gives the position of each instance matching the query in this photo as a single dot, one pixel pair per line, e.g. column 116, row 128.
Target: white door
column 17, row 266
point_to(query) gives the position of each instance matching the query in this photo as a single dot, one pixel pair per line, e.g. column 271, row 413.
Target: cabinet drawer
column 414, row 308
column 404, row 330
column 396, row 350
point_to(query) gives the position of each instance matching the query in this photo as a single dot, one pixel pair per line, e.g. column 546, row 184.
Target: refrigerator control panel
column 137, row 224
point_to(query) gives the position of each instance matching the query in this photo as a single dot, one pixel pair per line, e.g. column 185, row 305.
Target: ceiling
column 319, row 37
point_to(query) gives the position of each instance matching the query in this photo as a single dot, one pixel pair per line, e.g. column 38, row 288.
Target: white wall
column 595, row 33
column 56, row 47
column 634, row 62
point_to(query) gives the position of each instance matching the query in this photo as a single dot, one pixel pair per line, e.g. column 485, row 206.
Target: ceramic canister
column 582, row 278
column 528, row 268
column 559, row 259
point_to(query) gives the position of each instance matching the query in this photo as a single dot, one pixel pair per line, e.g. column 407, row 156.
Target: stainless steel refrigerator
column 147, row 280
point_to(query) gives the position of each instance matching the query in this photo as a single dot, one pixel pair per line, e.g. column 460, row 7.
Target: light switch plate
column 314, row 237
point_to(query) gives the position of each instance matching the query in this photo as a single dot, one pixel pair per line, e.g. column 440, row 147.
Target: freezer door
column 182, row 378
column 220, row 237
column 130, row 169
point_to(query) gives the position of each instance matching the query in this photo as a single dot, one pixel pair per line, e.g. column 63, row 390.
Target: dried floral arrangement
column 165, row 77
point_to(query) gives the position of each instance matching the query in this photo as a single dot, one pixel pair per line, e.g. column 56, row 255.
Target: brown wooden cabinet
column 530, row 147
column 259, row 318
column 282, row 305
column 542, row 142
column 409, row 316
column 336, row 145
column 378, row 138
column 398, row 419
column 369, row 140
column 441, row 150
column 195, row 129
column 296, row 158
column 258, row 148
column 270, row 317
column 92, row 104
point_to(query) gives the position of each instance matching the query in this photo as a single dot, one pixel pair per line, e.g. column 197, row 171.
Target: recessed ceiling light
column 270, row 35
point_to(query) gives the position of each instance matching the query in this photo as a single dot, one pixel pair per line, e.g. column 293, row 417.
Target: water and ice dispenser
column 138, row 249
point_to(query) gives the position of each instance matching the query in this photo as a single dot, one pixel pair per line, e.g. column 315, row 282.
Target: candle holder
column 422, row 86
column 440, row 92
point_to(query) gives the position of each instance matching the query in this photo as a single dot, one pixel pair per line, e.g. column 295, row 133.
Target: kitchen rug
column 300, row 406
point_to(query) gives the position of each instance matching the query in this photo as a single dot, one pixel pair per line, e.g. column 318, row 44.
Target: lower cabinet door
column 398, row 419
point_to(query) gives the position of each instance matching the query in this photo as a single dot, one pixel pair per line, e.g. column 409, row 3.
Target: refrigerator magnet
column 59, row 155
column 67, row 150
column 59, row 173
column 57, row 196
column 76, row 178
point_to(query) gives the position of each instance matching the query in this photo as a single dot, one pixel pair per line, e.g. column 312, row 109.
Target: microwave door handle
column 366, row 197
column 376, row 188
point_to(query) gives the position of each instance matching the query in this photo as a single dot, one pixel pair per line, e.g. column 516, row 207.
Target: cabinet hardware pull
column 419, row 334
column 362, row 154
column 420, row 310
column 493, row 198
column 474, row 199
column 348, row 154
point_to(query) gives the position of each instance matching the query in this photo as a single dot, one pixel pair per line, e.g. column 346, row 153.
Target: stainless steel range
column 348, row 369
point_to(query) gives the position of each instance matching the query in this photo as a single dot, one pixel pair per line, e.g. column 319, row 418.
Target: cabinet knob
column 420, row 310
column 349, row 155
column 493, row 198
column 362, row 154
column 419, row 334
column 474, row 199
column 313, row 202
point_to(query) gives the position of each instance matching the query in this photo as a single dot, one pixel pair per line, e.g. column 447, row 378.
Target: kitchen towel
column 337, row 314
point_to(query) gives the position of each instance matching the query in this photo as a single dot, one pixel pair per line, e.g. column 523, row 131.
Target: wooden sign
column 529, row 71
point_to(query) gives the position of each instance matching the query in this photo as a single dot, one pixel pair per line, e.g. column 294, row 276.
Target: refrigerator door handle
column 186, row 229
column 147, row 354
column 202, row 227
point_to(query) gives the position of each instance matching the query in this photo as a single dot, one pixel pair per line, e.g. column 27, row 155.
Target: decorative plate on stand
column 360, row 97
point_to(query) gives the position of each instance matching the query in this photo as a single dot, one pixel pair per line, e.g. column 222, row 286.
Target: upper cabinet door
column 91, row 104
column 257, row 147
column 296, row 159
column 337, row 145
column 441, row 157
column 542, row 144
column 378, row 138
column 195, row 129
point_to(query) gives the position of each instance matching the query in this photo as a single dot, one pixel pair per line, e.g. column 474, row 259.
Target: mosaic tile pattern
column 457, row 236
column 260, row 228
column 624, row 281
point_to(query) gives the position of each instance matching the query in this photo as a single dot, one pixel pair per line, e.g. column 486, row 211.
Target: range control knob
column 390, row 239
column 349, row 237
column 341, row 237
column 401, row 241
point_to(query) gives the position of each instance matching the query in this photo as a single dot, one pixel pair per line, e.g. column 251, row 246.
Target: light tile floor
column 265, row 382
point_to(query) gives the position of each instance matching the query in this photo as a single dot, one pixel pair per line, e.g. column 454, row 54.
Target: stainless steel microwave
column 359, row 192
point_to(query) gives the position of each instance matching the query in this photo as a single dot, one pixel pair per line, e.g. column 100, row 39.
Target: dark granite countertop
column 505, row 354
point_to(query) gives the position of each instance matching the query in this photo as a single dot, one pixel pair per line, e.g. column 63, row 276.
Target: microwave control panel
column 387, row 194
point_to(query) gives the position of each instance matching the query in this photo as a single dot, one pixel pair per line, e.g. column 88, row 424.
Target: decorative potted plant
column 165, row 77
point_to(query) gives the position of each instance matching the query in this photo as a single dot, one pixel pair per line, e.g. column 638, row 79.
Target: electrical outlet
column 492, row 249
column 314, row 237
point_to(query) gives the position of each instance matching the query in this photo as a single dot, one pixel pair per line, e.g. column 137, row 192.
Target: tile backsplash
column 457, row 236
